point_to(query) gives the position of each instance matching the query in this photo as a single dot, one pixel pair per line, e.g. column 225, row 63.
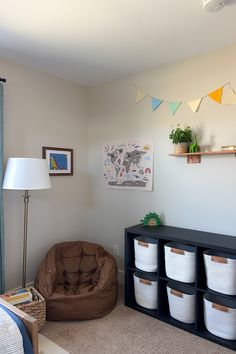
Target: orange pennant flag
column 216, row 95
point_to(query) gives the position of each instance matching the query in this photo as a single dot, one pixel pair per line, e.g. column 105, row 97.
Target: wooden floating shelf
column 195, row 157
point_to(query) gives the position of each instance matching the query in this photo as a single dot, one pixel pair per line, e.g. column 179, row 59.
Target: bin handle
column 176, row 293
column 143, row 244
column 220, row 307
column 219, row 259
column 145, row 281
column 177, row 250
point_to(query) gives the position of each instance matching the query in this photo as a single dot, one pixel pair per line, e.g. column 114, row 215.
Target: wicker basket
column 36, row 308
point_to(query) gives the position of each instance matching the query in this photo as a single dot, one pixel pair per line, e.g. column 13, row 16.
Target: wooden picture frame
column 60, row 160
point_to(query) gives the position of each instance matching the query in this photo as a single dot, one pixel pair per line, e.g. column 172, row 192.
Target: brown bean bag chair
column 78, row 281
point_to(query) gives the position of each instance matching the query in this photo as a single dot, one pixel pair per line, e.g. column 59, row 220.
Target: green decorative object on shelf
column 151, row 219
column 194, row 147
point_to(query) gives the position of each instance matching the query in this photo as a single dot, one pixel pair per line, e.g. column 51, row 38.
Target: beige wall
column 41, row 110
column 200, row 196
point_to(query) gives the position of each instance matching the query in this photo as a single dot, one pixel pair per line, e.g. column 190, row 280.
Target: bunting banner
column 174, row 107
column 140, row 95
column 155, row 103
column 230, row 99
column 195, row 104
column 215, row 95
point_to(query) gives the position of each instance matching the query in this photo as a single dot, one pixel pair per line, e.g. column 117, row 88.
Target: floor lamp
column 26, row 174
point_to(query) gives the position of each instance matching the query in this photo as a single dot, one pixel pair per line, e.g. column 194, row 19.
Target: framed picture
column 60, row 161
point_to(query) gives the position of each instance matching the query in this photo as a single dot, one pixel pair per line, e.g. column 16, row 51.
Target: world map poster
column 129, row 165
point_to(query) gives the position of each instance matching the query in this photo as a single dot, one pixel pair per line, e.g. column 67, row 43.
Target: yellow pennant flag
column 230, row 98
column 195, row 104
column 216, row 95
column 140, row 95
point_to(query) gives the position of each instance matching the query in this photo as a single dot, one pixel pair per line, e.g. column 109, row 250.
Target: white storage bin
column 220, row 271
column 145, row 251
column 145, row 291
column 181, row 303
column 220, row 316
column 180, row 262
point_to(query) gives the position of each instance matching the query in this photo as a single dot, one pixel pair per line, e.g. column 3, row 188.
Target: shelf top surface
column 199, row 238
column 220, row 152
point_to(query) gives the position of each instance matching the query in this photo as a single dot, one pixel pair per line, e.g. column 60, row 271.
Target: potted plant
column 181, row 138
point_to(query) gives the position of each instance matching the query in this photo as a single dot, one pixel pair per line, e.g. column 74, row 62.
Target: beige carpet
column 125, row 331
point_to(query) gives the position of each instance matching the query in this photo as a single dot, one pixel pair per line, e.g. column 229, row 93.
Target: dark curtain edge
column 2, row 242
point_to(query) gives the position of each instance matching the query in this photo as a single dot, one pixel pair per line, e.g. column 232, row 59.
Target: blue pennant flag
column 155, row 103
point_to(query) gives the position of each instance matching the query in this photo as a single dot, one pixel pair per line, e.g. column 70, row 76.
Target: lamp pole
column 26, row 205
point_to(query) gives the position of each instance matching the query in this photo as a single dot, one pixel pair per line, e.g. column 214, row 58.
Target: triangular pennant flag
column 140, row 95
column 230, row 98
column 216, row 95
column 174, row 106
column 155, row 103
column 194, row 105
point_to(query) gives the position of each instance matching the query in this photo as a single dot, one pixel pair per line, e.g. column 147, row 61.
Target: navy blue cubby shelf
column 164, row 234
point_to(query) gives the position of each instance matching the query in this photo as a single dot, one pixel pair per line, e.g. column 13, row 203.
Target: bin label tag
column 145, row 281
column 219, row 259
column 176, row 293
column 143, row 244
column 178, row 251
column 220, row 307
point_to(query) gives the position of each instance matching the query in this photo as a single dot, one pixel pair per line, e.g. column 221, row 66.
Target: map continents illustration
column 129, row 165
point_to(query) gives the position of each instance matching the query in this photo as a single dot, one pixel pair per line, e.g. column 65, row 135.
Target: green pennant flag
column 174, row 106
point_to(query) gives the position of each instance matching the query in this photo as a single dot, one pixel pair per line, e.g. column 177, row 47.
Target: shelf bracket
column 194, row 158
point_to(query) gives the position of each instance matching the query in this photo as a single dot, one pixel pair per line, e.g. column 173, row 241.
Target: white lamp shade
column 26, row 174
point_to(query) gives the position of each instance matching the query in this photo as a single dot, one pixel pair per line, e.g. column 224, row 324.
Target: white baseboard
column 121, row 277
column 28, row 285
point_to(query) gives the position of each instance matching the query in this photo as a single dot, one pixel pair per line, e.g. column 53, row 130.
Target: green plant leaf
column 179, row 135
